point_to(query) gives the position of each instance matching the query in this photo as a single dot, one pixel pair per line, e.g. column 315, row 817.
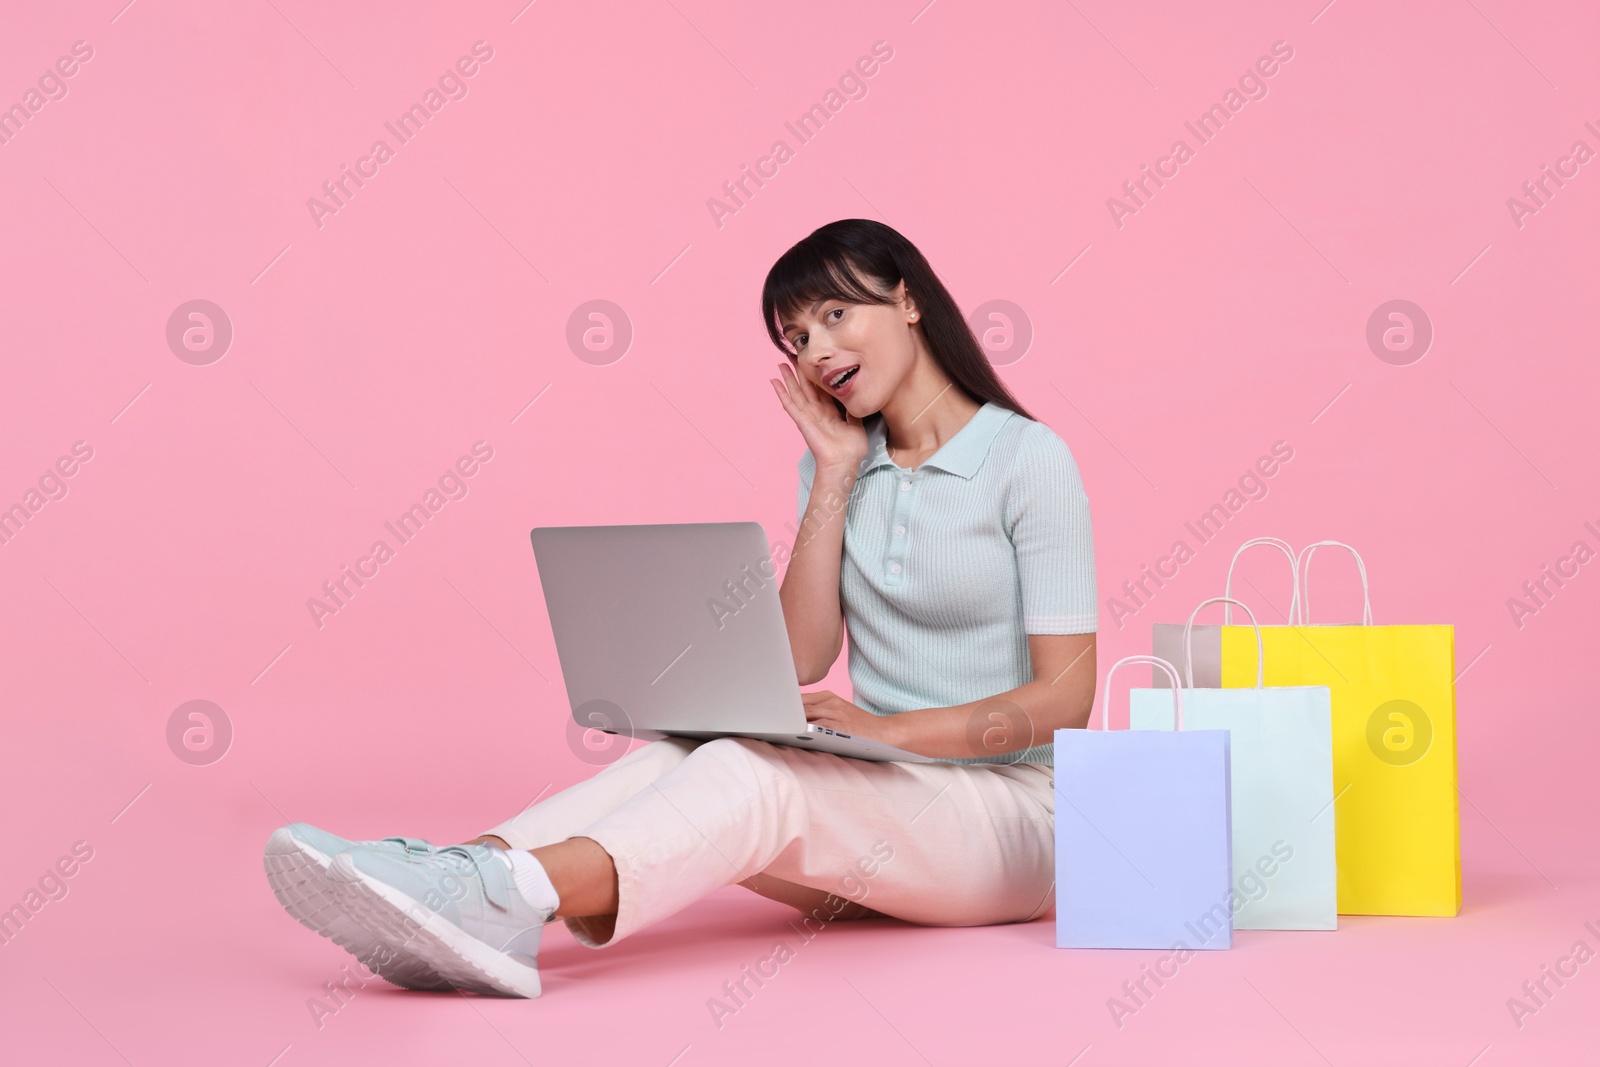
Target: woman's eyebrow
column 812, row 310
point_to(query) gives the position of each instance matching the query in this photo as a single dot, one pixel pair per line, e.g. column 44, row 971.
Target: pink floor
column 584, row 180
column 159, row 955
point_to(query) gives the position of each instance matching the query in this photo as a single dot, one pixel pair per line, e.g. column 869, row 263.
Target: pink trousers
column 942, row 844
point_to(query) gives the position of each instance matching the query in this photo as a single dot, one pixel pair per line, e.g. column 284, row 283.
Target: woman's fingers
column 791, row 383
column 784, row 392
column 818, row 703
column 783, row 397
column 794, row 400
column 803, row 394
column 803, row 383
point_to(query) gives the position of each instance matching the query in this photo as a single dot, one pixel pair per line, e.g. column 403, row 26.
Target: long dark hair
column 829, row 264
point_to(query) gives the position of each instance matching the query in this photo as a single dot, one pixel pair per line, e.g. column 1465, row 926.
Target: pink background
column 368, row 354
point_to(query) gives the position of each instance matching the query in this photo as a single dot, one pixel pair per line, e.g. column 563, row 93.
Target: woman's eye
column 837, row 311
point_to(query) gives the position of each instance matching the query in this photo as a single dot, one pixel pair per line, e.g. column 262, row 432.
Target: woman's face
column 858, row 354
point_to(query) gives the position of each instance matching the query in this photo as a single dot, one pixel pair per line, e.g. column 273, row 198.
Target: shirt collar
column 962, row 455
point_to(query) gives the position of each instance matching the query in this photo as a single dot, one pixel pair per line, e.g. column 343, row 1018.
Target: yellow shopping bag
column 1398, row 839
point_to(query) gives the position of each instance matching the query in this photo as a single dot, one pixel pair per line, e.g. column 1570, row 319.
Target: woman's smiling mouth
column 838, row 382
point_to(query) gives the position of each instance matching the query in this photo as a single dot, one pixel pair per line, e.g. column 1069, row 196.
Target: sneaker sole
column 455, row 955
column 298, row 874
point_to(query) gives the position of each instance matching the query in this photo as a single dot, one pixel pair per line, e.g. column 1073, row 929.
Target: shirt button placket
column 894, row 566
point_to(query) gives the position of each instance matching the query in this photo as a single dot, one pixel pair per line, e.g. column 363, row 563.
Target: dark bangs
column 809, row 274
column 848, row 260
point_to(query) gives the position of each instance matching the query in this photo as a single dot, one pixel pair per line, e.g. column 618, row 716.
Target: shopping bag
column 1142, row 834
column 1205, row 660
column 1397, row 824
column 1280, row 768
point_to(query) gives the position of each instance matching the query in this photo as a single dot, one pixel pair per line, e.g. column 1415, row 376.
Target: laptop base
column 822, row 739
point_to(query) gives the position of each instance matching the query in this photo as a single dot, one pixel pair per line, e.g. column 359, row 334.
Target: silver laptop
column 677, row 631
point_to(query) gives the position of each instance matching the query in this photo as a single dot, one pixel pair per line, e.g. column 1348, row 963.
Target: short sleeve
column 1047, row 520
column 808, row 473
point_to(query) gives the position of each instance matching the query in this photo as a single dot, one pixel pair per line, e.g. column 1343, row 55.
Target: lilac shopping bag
column 1143, row 839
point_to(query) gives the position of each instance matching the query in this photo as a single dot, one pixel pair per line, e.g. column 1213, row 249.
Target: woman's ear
column 903, row 296
column 912, row 312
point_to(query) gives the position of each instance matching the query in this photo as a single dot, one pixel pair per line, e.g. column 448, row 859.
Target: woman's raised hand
column 835, row 442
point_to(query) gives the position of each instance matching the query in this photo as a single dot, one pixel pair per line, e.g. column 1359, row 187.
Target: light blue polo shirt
column 947, row 569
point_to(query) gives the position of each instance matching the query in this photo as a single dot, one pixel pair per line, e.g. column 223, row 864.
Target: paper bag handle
column 1154, row 661
column 1294, row 576
column 1305, row 573
column 1188, row 651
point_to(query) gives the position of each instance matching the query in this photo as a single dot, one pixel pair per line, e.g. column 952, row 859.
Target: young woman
column 947, row 533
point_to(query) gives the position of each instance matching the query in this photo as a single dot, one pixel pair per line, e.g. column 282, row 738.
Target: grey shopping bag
column 1204, row 655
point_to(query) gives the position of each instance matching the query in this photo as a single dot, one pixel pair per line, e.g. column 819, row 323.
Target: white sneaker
column 456, row 909
column 297, row 860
